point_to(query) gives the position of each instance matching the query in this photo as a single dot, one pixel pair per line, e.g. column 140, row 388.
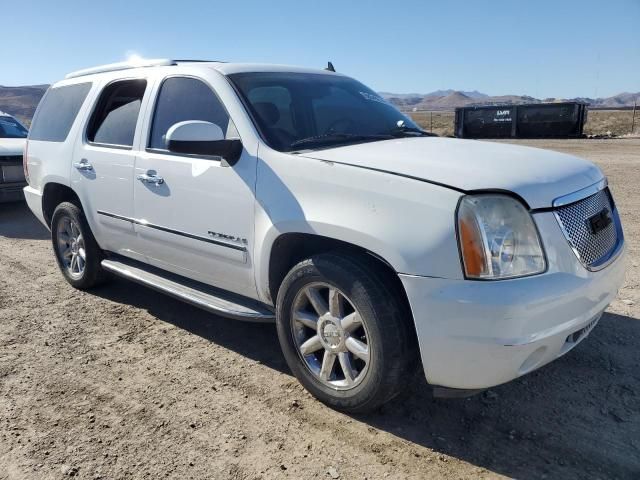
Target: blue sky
column 560, row 48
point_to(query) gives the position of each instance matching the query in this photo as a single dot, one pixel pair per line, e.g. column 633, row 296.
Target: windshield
column 11, row 128
column 297, row 111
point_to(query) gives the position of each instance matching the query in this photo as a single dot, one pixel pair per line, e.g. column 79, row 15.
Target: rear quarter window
column 57, row 111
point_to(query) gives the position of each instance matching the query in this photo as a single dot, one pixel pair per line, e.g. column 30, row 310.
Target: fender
column 357, row 206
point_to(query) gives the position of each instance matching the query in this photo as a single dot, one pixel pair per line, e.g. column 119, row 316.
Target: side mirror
column 197, row 137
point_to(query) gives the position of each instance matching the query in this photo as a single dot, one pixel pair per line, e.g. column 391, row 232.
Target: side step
column 198, row 294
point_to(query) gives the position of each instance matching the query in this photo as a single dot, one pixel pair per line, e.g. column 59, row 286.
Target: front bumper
column 475, row 334
column 11, row 192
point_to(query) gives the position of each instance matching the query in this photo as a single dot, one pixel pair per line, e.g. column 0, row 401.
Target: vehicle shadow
column 577, row 417
column 257, row 341
column 17, row 221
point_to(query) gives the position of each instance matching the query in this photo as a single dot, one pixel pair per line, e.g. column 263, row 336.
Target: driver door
column 197, row 221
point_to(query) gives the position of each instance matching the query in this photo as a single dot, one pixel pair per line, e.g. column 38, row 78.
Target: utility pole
column 633, row 120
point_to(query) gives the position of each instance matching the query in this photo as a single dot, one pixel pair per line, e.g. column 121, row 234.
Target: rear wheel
column 76, row 250
column 345, row 334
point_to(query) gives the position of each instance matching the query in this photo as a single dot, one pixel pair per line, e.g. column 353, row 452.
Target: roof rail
column 113, row 67
column 198, row 61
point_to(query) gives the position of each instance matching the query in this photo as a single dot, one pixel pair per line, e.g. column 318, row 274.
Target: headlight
column 498, row 238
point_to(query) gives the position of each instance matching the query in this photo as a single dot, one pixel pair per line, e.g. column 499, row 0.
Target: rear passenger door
column 199, row 221
column 103, row 164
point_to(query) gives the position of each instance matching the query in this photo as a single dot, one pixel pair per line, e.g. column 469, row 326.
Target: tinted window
column 181, row 99
column 11, row 128
column 57, row 111
column 306, row 110
column 280, row 97
column 336, row 109
column 114, row 120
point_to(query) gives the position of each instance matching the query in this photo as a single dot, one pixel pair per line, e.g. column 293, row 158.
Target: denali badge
column 232, row 238
column 599, row 221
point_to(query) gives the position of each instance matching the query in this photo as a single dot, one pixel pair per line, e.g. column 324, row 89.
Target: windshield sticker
column 373, row 98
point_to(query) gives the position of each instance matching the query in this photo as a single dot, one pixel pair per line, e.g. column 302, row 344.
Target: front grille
column 11, row 159
column 591, row 248
column 579, row 335
column 11, row 169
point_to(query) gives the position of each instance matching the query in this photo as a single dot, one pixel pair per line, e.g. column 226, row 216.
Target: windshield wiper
column 404, row 131
column 329, row 138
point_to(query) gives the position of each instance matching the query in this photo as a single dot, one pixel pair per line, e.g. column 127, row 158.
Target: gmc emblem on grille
column 599, row 221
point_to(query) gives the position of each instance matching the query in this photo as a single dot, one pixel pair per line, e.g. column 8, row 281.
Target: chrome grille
column 574, row 219
column 578, row 335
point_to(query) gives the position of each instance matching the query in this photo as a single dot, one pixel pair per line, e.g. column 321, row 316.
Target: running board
column 198, row 294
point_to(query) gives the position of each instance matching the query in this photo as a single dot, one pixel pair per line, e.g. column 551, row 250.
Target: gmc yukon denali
column 300, row 196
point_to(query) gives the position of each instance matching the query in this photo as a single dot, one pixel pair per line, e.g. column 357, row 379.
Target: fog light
column 533, row 361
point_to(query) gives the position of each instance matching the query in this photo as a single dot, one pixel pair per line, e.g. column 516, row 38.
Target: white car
column 264, row 192
column 12, row 140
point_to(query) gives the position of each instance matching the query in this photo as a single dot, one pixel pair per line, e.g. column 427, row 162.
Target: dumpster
column 535, row 120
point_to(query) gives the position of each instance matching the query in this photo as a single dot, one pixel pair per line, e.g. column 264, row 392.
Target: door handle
column 83, row 165
column 153, row 179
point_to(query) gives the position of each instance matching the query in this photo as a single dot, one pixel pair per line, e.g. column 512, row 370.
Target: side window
column 181, row 99
column 114, row 120
column 57, row 111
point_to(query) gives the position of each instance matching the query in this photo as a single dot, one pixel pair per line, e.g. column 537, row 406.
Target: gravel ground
column 123, row 382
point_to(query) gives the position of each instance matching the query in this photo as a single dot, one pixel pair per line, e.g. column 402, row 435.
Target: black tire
column 93, row 273
column 391, row 336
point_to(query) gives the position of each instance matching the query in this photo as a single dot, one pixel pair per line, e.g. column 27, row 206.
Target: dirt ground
column 123, row 382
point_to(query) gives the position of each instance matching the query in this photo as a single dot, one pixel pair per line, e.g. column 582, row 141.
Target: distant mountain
column 625, row 99
column 450, row 99
column 21, row 102
column 443, row 93
column 437, row 93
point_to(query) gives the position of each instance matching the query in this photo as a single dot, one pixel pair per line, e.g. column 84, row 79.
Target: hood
column 538, row 176
column 11, row 146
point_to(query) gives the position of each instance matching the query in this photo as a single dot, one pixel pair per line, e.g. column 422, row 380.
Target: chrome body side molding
column 144, row 223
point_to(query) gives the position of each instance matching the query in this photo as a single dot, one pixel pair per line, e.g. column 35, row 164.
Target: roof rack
column 113, row 67
column 134, row 63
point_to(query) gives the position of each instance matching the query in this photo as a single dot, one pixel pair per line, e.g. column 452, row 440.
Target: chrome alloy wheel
column 330, row 336
column 71, row 249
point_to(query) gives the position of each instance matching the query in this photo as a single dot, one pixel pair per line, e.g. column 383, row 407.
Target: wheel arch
column 290, row 248
column 53, row 195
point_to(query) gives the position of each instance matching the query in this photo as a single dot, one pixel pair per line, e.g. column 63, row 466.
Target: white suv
column 263, row 192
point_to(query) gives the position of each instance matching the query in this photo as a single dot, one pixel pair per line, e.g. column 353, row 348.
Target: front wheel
column 345, row 333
